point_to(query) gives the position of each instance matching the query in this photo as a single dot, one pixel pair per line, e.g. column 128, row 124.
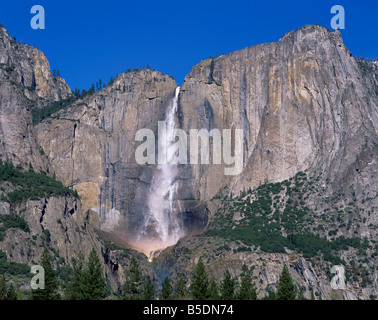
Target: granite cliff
column 305, row 104
column 25, row 83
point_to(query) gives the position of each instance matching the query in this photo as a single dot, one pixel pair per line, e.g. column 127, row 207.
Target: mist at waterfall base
column 162, row 227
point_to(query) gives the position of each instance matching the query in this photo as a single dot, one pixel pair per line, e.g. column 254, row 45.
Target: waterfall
column 162, row 226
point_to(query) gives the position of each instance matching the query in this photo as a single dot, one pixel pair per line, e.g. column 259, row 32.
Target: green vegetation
column 247, row 290
column 8, row 221
column 200, row 282
column 286, row 287
column 202, row 288
column 213, row 290
column 75, row 290
column 51, row 285
column 136, row 286
column 95, row 283
column 88, row 282
column 112, row 246
column 7, row 292
column 6, row 67
column 30, row 184
column 148, row 289
column 12, row 268
column 166, row 291
column 84, row 282
column 45, row 112
column 133, row 286
column 42, row 113
column 274, row 217
column 181, row 291
column 227, row 287
column 64, row 275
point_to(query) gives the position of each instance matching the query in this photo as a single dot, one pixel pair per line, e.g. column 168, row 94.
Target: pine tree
column 200, row 282
column 301, row 295
column 148, row 289
column 95, row 281
column 286, row 287
column 91, row 89
column 77, row 93
column 181, row 291
column 3, row 288
column 271, row 295
column 20, row 295
column 213, row 290
column 247, row 290
column 133, row 286
column 166, row 290
column 51, row 284
column 12, row 292
column 227, row 287
column 76, row 288
column 88, row 282
column 111, row 81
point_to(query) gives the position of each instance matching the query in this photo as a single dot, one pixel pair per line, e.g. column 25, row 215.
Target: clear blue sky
column 91, row 40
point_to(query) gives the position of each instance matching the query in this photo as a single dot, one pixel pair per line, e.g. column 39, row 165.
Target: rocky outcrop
column 302, row 102
column 91, row 146
column 28, row 68
column 60, row 225
column 56, row 222
column 25, row 82
column 312, row 278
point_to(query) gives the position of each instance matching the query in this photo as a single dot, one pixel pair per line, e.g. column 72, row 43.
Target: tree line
column 87, row 282
column 30, row 184
column 204, row 287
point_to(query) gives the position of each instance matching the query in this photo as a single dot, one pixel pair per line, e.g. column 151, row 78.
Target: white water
column 162, row 224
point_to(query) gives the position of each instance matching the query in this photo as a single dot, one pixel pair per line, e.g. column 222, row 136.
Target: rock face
column 312, row 278
column 25, row 82
column 29, row 69
column 61, row 225
column 94, row 150
column 303, row 104
column 58, row 222
column 91, row 146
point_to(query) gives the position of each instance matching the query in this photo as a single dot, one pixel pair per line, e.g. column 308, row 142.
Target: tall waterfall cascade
column 162, row 227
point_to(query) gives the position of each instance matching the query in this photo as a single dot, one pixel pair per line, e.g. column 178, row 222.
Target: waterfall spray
column 161, row 224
